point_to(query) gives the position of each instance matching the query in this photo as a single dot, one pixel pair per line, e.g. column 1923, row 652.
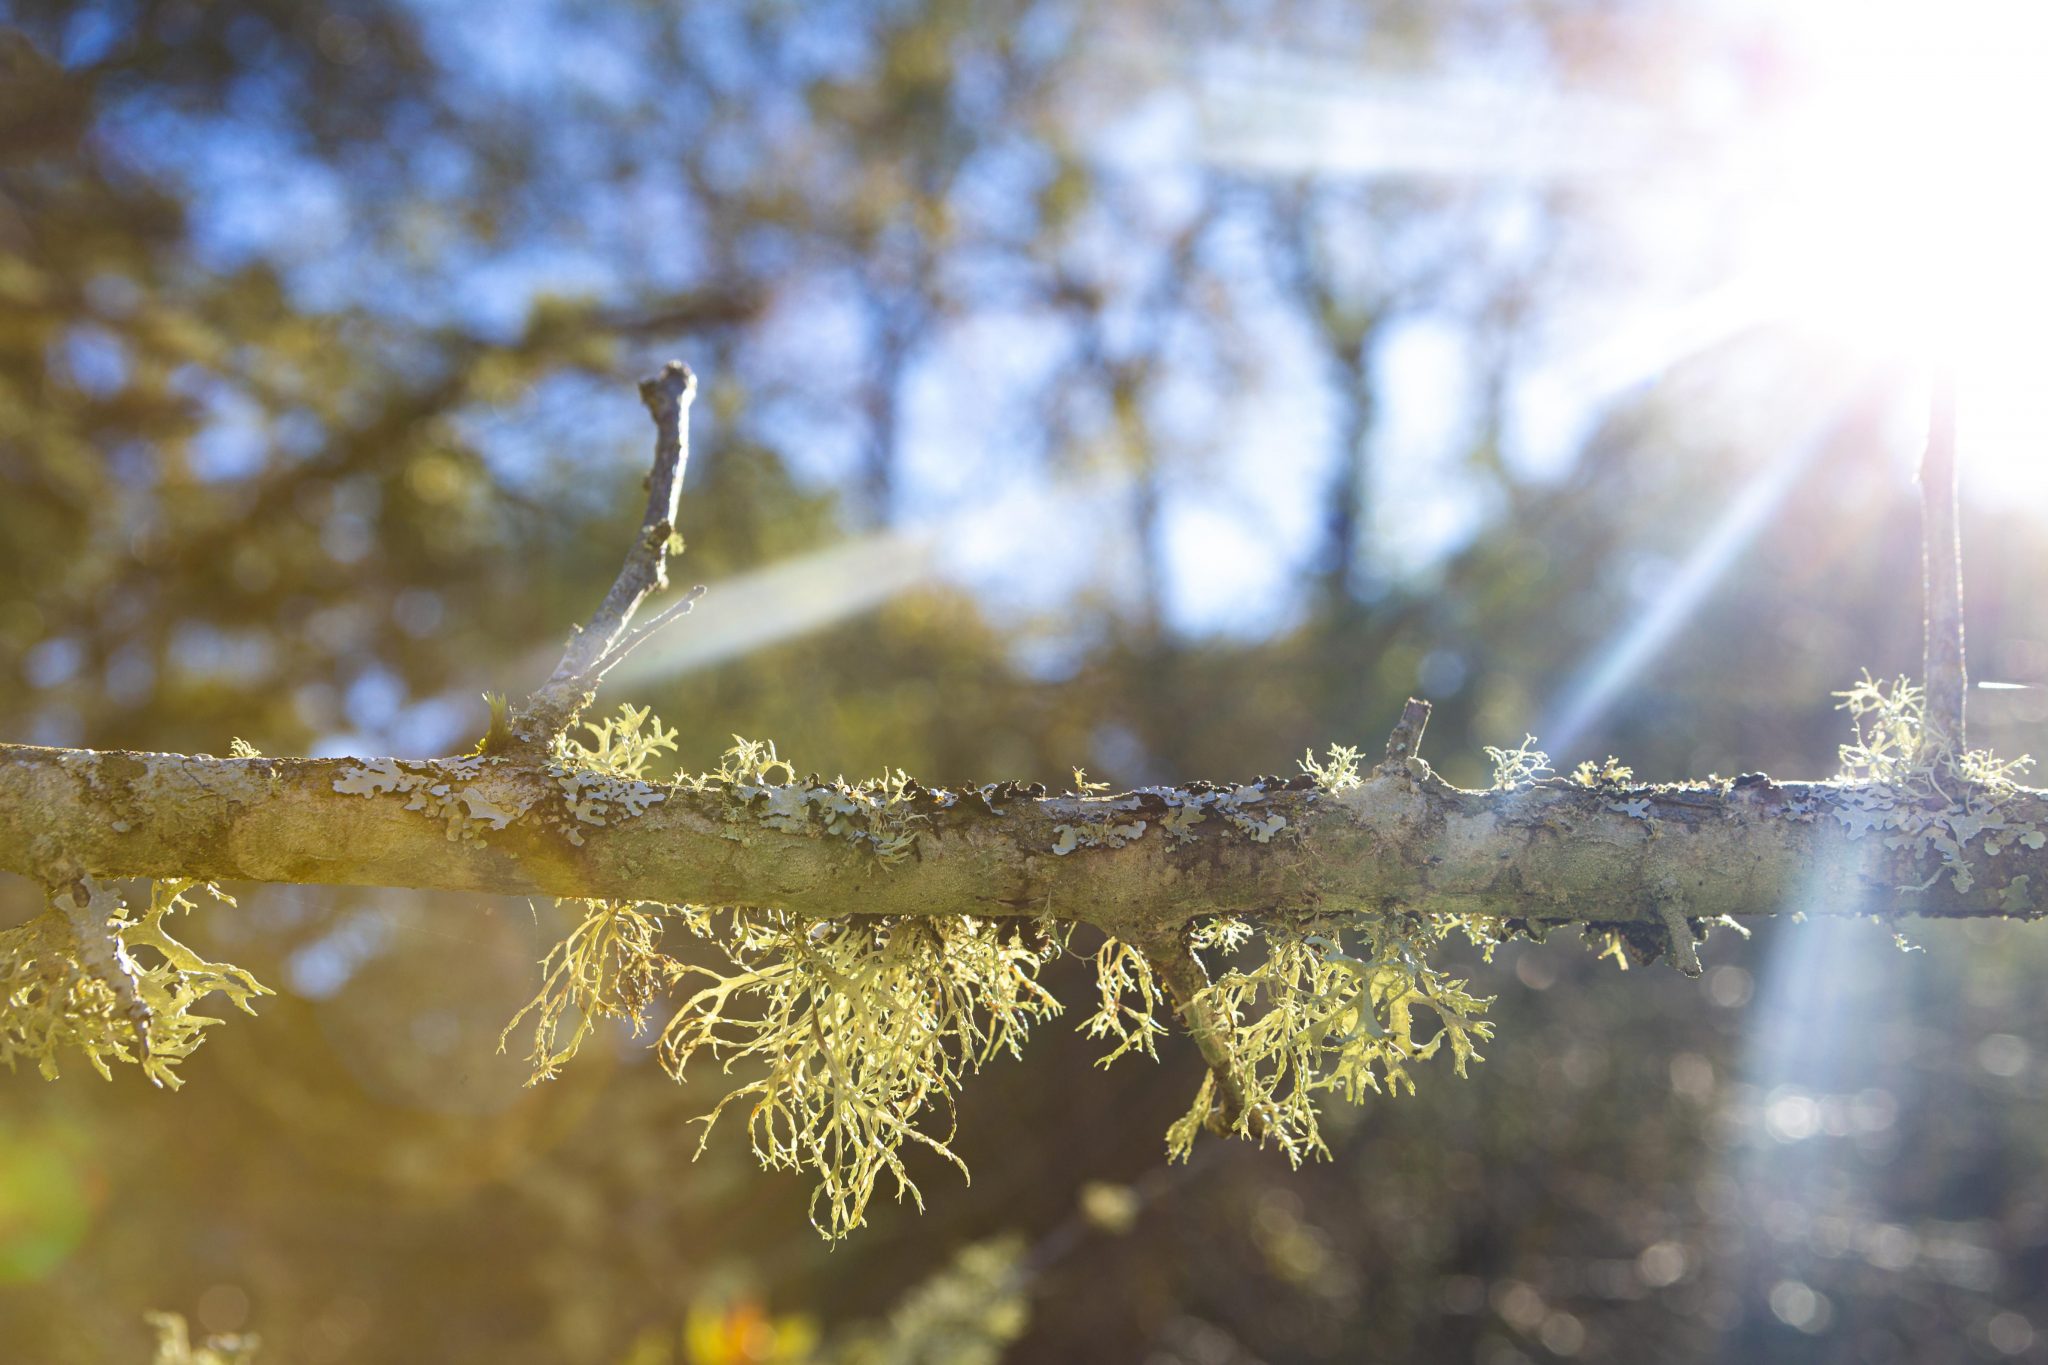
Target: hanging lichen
column 52, row 1001
column 1314, row 1015
column 609, row 967
column 857, row 1033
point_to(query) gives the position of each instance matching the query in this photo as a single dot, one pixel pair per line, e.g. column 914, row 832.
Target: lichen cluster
column 1519, row 766
column 1315, row 1006
column 1174, row 811
column 174, row 1345
column 848, row 1038
column 53, row 1000
column 1919, row 790
column 853, row 1036
column 876, row 813
column 598, row 782
column 460, row 805
column 609, row 967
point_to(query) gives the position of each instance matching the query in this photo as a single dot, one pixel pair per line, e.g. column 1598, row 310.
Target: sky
column 1719, row 209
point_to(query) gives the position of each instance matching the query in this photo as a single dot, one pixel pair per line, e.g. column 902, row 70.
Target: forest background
column 1152, row 390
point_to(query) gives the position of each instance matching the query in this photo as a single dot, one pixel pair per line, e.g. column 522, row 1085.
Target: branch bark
column 1138, row 865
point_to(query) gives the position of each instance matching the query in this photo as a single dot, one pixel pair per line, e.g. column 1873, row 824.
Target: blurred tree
column 308, row 315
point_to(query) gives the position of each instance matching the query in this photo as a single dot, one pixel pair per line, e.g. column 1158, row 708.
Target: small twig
column 640, row 634
column 608, row 636
column 1941, row 566
column 1406, row 740
column 1180, row 971
column 90, row 908
column 1683, row 948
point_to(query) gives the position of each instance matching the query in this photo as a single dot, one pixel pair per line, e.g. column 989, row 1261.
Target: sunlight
column 1622, row 657
column 1809, row 1114
column 1874, row 188
column 809, row 592
column 1899, row 211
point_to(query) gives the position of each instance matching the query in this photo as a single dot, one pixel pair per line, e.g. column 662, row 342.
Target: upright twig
column 609, row 636
column 1406, row 740
column 1941, row 565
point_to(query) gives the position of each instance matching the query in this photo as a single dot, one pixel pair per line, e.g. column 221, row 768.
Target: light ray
column 810, row 592
column 1808, row 1105
column 785, row 600
column 1625, row 654
column 1292, row 116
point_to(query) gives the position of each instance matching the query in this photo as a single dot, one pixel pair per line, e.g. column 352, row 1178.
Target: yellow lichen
column 51, row 1002
column 862, row 1027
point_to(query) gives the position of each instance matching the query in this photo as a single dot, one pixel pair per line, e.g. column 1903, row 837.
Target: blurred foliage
column 316, row 326
column 964, row 1315
column 174, row 1344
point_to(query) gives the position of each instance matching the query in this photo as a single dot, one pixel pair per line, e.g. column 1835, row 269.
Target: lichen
column 609, row 967
column 861, row 1028
column 883, row 815
column 1905, row 780
column 622, row 745
column 1519, row 766
column 1314, row 1018
column 1609, row 776
column 1340, row 773
column 51, row 1001
column 1231, row 806
column 591, row 797
column 174, row 1344
column 1178, row 824
column 1106, row 822
column 600, row 782
column 1309, row 1017
column 865, row 1028
column 1616, row 784
column 1105, row 834
column 1128, row 998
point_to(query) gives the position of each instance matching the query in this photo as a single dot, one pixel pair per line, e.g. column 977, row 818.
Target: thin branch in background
column 1941, row 565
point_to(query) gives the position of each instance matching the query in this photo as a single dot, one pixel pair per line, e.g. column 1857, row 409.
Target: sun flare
column 1900, row 210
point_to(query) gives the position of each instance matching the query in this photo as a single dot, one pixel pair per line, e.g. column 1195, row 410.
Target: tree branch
column 1141, row 866
column 1186, row 983
column 607, row 638
column 1941, row 566
column 1138, row 865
